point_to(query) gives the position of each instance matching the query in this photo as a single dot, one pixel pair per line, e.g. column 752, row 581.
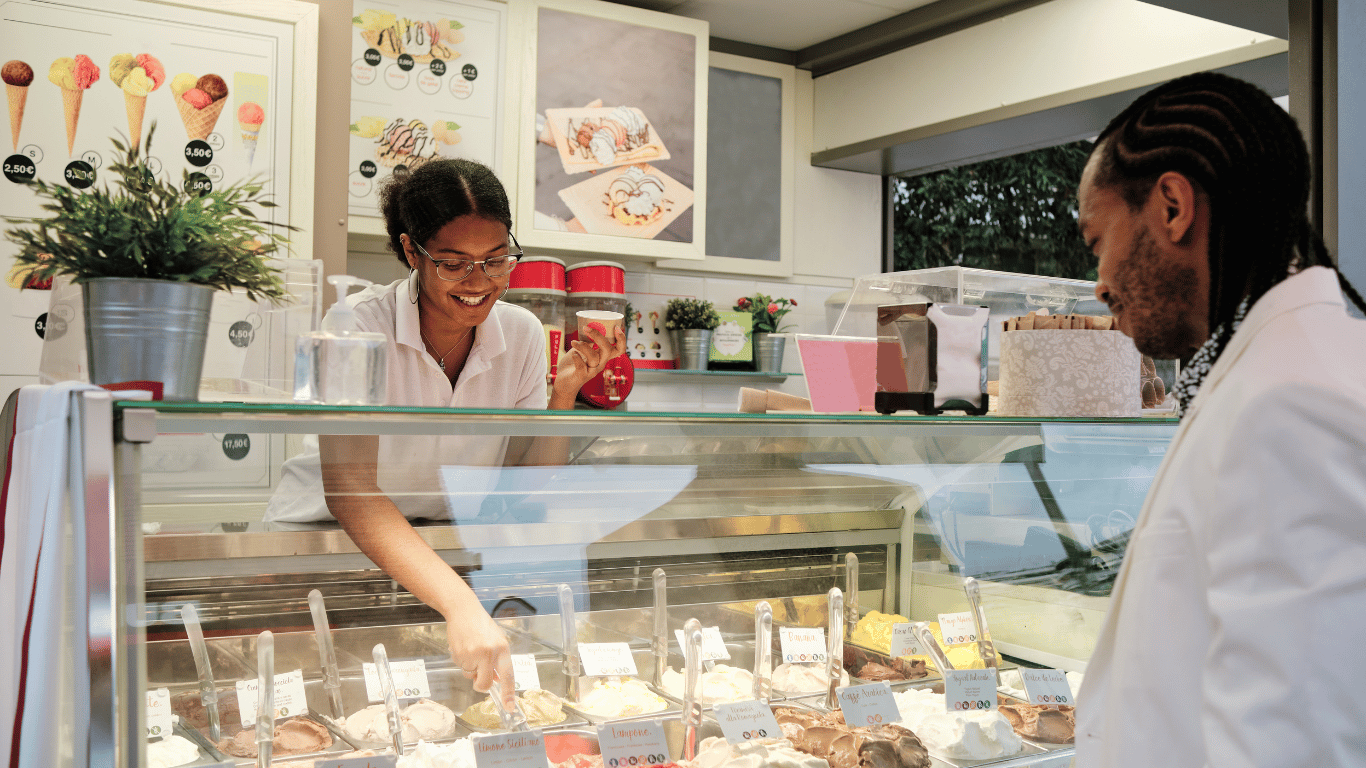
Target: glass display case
column 731, row 509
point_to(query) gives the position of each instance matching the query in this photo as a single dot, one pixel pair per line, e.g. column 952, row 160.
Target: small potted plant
column 691, row 322
column 148, row 255
column 767, row 312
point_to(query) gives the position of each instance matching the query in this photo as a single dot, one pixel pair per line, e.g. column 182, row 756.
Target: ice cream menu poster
column 80, row 74
column 426, row 83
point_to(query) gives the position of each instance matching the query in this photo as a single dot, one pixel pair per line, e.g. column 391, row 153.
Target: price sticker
column 410, row 680
column 289, row 697
column 747, row 721
column 602, row 659
column 524, row 673
column 871, row 704
column 159, row 717
column 713, row 646
column 633, row 745
column 519, row 749
column 802, row 644
column 970, row 690
column 377, row 761
column 1047, row 687
column 957, row 628
column 904, row 642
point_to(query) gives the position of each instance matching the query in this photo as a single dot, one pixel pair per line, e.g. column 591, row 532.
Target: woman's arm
column 581, row 363
column 377, row 527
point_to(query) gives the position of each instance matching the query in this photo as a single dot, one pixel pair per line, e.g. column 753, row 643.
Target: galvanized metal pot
column 693, row 344
column 147, row 330
column 768, row 352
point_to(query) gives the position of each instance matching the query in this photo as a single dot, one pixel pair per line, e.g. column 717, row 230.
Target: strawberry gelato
column 153, row 68
column 197, row 98
column 251, row 113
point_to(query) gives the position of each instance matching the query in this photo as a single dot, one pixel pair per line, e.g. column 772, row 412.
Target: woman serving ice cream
column 450, row 343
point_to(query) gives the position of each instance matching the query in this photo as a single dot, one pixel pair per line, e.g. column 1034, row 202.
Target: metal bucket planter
column 768, row 352
column 693, row 346
column 147, row 331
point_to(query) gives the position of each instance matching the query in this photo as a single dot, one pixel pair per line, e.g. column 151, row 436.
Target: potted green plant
column 148, row 255
column 767, row 312
column 691, row 321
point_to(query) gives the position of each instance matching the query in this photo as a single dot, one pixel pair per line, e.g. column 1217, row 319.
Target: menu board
column 79, row 73
column 426, row 83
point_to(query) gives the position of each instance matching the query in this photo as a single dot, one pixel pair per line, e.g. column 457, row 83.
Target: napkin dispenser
column 931, row 358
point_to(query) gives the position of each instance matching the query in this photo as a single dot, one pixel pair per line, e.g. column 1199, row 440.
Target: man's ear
column 1177, row 197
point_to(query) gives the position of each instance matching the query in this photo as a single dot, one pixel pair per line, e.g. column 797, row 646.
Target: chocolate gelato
column 295, row 736
column 192, row 711
column 829, row 738
column 1037, row 722
column 900, row 669
column 18, row 73
column 212, row 85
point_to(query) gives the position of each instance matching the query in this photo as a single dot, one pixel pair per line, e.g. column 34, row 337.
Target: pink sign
column 840, row 372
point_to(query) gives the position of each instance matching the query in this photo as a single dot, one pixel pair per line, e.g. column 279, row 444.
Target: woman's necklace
column 442, row 359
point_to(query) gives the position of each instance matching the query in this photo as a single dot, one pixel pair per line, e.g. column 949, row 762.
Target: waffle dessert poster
column 79, row 73
column 615, row 109
column 426, row 83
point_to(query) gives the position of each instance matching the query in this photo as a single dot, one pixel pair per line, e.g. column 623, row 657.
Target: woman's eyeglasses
column 456, row 270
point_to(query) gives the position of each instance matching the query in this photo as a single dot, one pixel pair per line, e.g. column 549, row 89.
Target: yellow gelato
column 120, row 66
column 182, row 83
column 875, row 631
column 62, row 73
column 137, row 83
column 374, row 21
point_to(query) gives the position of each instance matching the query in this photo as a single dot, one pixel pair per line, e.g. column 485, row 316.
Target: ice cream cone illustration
column 250, row 116
column 137, row 76
column 73, row 76
column 17, row 76
column 200, row 105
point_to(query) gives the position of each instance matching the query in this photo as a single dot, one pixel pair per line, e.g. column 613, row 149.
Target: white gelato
column 620, row 698
column 603, row 145
column 1011, row 685
column 458, row 754
column 957, row 735
column 721, row 685
column 171, row 751
column 716, row 752
column 423, row 719
column 804, row 678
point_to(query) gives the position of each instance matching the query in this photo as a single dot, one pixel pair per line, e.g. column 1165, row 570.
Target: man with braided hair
column 1235, row 626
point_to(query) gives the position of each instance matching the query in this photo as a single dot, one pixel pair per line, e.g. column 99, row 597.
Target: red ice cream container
column 538, row 272
column 597, row 277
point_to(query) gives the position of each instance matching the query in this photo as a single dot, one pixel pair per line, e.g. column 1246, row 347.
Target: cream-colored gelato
column 621, row 698
column 457, row 754
column 171, row 751
column 716, row 752
column 423, row 719
column 720, row 685
column 541, row 708
column 957, row 736
column 804, row 678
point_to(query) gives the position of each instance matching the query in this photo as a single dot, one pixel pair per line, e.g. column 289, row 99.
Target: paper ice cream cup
column 608, row 322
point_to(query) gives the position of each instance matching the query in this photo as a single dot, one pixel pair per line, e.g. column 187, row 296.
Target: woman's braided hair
column 420, row 203
column 1247, row 155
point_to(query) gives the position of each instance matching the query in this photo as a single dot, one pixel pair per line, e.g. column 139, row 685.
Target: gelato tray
column 543, row 708
column 363, row 723
column 302, row 737
column 176, row 750
column 607, row 699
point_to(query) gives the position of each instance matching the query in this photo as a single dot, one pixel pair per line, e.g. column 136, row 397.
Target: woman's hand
column 583, row 361
column 480, row 648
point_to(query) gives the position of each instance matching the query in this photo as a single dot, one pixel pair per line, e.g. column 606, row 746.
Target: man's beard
column 1157, row 298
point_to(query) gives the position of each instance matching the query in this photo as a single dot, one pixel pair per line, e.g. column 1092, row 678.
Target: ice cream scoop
column 152, row 66
column 119, row 67
column 182, row 83
column 137, row 83
column 17, row 73
column 196, row 98
column 85, row 72
column 250, row 113
column 212, row 85
column 62, row 73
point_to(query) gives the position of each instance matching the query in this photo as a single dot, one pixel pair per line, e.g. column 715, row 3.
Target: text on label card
column 410, row 680
column 524, row 672
column 604, row 659
column 957, row 628
column 160, row 719
column 1047, row 687
column 633, row 745
column 747, row 721
column 802, row 644
column 904, row 642
column 713, row 645
column 869, row 705
column 289, row 697
column 519, row 749
column 970, row 690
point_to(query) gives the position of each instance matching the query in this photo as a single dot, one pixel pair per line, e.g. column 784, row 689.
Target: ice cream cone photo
column 136, row 107
column 250, row 116
column 137, row 76
column 200, row 105
column 73, row 76
column 71, row 110
column 17, row 76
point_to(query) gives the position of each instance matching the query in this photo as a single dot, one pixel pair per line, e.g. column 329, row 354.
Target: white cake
column 1069, row 373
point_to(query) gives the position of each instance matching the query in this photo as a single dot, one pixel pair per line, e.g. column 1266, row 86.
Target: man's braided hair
column 1247, row 155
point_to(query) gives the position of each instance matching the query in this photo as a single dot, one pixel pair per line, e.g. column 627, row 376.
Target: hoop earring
column 412, row 296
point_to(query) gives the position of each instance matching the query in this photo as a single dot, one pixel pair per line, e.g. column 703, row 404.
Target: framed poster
column 427, row 82
column 614, row 132
column 231, row 96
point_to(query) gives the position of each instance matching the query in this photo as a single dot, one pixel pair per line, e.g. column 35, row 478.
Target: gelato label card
column 957, row 628
column 410, row 680
column 376, row 761
column 525, row 676
column 713, row 646
column 970, row 690
column 159, row 717
column 870, row 704
column 904, row 642
column 518, row 749
column 802, row 644
column 602, row 659
column 1047, row 687
column 289, row 697
column 630, row 745
column 747, row 721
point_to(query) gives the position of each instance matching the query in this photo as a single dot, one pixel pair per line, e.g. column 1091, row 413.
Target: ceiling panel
column 787, row 24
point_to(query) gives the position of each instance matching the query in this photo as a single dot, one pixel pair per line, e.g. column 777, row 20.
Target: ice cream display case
column 647, row 522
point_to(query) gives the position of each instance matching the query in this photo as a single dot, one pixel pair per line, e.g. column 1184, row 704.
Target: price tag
column 518, row 749
column 410, row 680
column 904, row 642
column 868, row 704
column 802, row 644
column 159, row 717
column 289, row 697
column 1047, row 687
column 524, row 673
column 713, row 647
column 630, row 745
column 600, row 659
column 970, row 690
column 957, row 628
column 747, row 721
column 377, row 761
